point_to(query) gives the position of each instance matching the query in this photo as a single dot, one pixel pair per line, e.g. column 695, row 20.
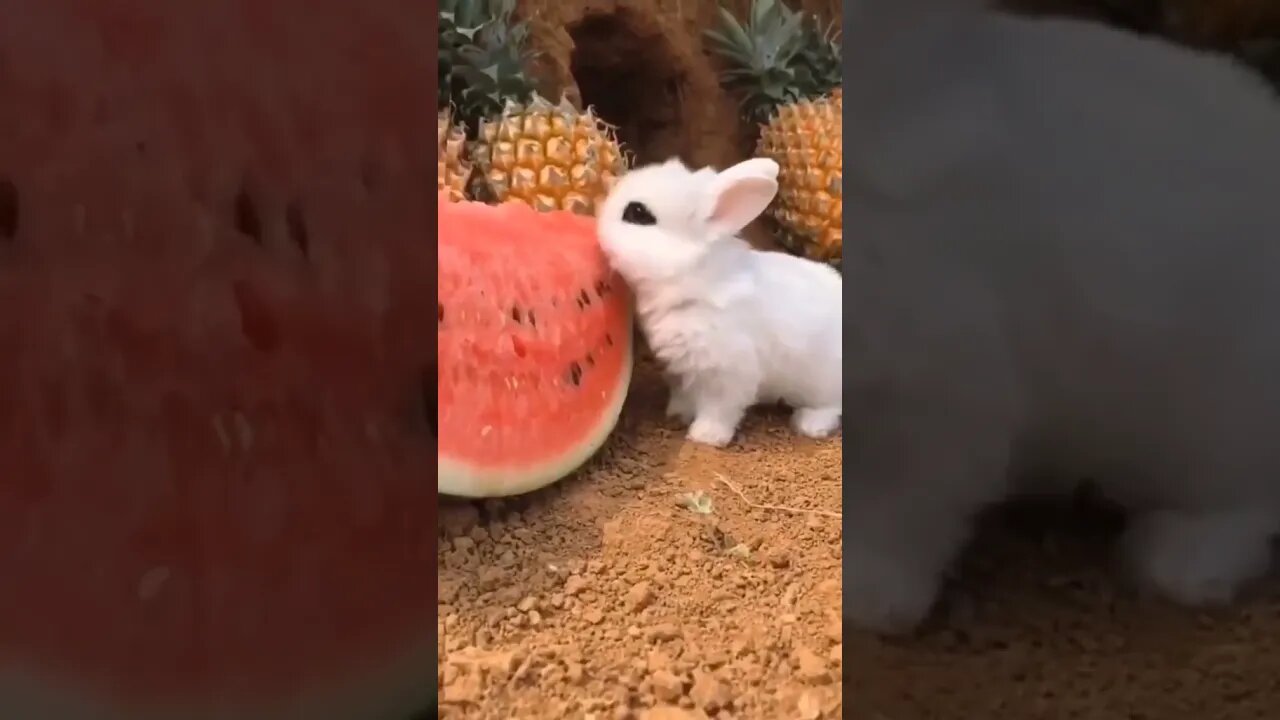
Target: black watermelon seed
column 8, row 209
column 575, row 374
column 297, row 224
column 247, row 220
column 515, row 314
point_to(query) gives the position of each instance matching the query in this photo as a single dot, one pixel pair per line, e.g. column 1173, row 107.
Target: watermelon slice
column 213, row 243
column 534, row 334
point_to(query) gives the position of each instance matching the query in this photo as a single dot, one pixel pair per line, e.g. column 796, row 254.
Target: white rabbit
column 1067, row 266
column 732, row 326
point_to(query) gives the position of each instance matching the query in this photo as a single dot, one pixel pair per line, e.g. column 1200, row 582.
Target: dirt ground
column 648, row 587
column 605, row 597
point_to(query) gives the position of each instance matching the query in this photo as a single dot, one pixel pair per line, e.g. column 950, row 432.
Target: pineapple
column 453, row 171
column 804, row 139
column 524, row 148
column 787, row 68
column 552, row 157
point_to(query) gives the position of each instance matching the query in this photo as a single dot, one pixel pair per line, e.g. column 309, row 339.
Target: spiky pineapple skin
column 453, row 171
column 550, row 156
column 806, row 141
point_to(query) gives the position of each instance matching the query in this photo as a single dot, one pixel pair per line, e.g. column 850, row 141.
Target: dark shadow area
column 625, row 69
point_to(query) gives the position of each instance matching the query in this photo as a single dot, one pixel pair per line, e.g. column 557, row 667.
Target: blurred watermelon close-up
column 215, row 268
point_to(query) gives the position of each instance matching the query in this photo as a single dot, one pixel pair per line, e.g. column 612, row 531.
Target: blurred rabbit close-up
column 1061, row 270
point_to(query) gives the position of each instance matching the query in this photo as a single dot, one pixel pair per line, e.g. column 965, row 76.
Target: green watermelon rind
column 462, row 479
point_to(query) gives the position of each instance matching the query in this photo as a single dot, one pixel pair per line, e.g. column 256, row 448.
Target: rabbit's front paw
column 1198, row 559
column 885, row 596
column 711, row 431
column 815, row 422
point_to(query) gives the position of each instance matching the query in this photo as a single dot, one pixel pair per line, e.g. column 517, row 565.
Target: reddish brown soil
column 603, row 597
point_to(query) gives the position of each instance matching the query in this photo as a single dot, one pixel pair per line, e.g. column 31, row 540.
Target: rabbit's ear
column 737, row 195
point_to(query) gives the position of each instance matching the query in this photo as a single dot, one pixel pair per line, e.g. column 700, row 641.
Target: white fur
column 1065, row 269
column 733, row 326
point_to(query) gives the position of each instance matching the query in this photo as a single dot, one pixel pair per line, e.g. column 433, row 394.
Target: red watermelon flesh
column 213, row 274
column 534, row 337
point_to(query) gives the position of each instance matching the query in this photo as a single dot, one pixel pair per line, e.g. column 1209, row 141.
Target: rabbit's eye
column 637, row 214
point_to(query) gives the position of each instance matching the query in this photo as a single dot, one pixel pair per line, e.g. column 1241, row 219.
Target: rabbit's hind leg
column 815, row 422
column 1199, row 559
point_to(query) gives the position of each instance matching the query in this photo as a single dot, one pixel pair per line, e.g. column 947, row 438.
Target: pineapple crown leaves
column 820, row 56
column 445, row 51
column 482, row 58
column 780, row 56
